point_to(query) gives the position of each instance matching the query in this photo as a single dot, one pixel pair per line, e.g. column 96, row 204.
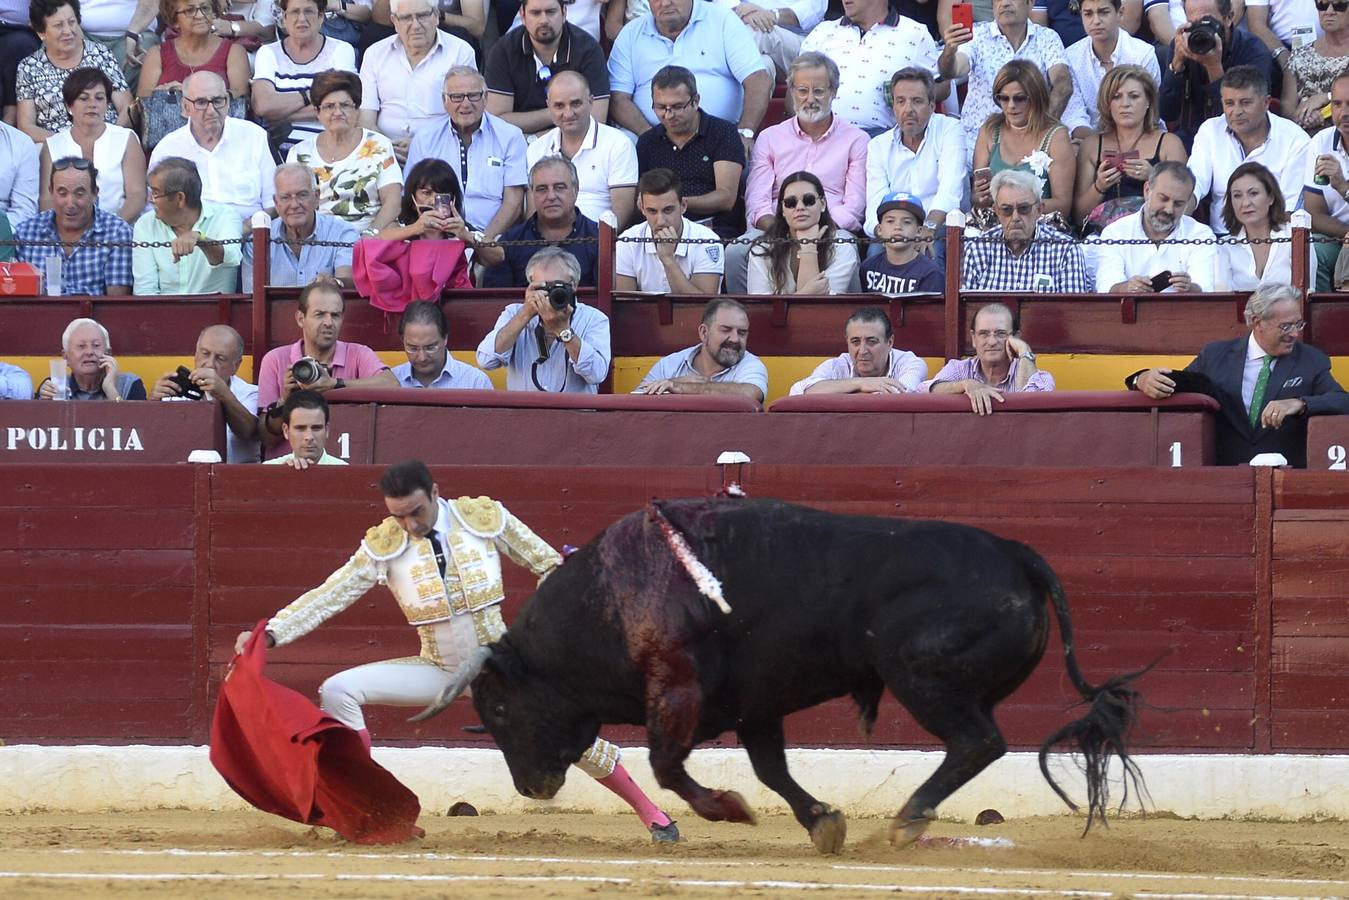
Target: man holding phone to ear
column 1163, row 264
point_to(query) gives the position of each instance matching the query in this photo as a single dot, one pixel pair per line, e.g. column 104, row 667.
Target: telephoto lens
column 307, row 371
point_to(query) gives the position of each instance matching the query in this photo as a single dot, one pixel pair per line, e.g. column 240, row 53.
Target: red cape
column 284, row 755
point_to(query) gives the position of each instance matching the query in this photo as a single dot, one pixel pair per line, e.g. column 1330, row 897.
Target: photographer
column 1205, row 47
column 318, row 361
column 550, row 342
column 220, row 349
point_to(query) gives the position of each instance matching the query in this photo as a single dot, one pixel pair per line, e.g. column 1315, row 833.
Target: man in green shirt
column 201, row 249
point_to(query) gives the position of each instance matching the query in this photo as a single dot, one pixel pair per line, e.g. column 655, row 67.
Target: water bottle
column 55, row 276
column 59, row 380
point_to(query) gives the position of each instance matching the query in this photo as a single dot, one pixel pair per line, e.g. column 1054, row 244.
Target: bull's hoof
column 905, row 832
column 829, row 832
column 726, row 806
column 665, row 834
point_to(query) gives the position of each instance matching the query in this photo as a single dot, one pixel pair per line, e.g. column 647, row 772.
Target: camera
column 308, row 371
column 1203, row 35
column 560, row 294
column 186, row 386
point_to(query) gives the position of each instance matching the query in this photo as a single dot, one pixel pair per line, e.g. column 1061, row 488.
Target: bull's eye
column 499, row 710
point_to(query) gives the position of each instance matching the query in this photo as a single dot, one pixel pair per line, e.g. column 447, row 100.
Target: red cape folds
column 284, row 755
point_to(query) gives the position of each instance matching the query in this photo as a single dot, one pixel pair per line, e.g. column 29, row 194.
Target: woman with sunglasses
column 1254, row 212
column 194, row 48
column 284, row 71
column 797, row 253
column 1313, row 66
column 1024, row 135
column 115, row 151
column 40, row 112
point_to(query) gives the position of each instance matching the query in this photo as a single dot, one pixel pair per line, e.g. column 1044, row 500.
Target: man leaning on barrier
column 1021, row 253
column 92, row 265
column 717, row 364
column 304, row 424
column 871, row 364
column 214, row 374
column 303, row 243
column 198, row 241
column 1002, row 362
column 1166, row 250
column 1268, row 382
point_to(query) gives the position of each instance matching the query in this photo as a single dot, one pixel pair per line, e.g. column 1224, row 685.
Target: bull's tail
column 1111, row 716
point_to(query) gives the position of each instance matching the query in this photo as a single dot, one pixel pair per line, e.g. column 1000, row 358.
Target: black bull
column 950, row 618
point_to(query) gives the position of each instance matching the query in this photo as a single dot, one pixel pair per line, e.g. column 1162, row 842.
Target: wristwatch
column 234, row 28
column 1029, row 355
column 565, row 335
column 342, row 382
column 275, row 411
column 746, row 133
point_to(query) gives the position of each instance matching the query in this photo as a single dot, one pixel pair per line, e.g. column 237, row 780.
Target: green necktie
column 1258, row 396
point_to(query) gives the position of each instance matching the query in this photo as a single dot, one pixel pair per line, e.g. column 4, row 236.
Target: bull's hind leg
column 764, row 742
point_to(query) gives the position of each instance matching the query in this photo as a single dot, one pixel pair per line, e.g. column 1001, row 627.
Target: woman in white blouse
column 1254, row 211
column 115, row 151
column 797, row 253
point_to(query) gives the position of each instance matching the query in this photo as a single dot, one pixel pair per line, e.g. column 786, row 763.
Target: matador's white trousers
column 418, row 680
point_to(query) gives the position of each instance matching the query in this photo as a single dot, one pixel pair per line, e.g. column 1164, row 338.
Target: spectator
column 1280, row 24
column 1246, row 132
column 215, row 368
column 423, row 218
column 713, row 43
column 983, row 52
column 304, row 243
column 1105, row 47
column 426, row 341
column 94, row 372
column 546, row 345
column 250, row 22
column 203, row 254
column 1313, row 66
column 304, row 423
column 1145, row 267
column 19, row 185
column 1002, row 363
column 1325, row 187
column 1254, row 211
column 521, row 64
column 553, row 188
column 340, row 364
column 1191, row 82
column 488, row 153
column 1023, row 130
column 813, row 140
column 1061, row 17
column 115, row 150
column 283, row 77
column 1020, row 253
column 605, row 160
column 90, row 267
column 359, row 178
column 703, row 150
column 718, row 364
column 65, row 48
column 195, row 48
column 17, row 41
column 401, row 75
column 465, row 19
column 656, row 255
column 232, row 156
column 15, row 383
column 1268, row 382
column 901, row 268
column 801, row 251
column 778, row 28
column 869, row 42
column 1112, row 170
column 923, row 155
column 871, row 365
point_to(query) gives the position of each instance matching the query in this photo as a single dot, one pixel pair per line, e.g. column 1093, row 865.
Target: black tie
column 440, row 551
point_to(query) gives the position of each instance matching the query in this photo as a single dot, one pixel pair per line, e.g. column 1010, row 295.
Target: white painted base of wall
column 862, row 783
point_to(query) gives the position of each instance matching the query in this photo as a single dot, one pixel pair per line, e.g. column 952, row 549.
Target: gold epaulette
column 482, row 516
column 386, row 540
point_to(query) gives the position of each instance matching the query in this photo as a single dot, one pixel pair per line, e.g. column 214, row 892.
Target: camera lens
column 560, row 294
column 306, row 371
column 1203, row 36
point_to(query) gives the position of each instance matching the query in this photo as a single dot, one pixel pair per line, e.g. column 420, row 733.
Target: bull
column 697, row 617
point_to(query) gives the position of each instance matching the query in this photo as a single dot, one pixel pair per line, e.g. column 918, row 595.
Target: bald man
column 220, row 349
column 232, row 155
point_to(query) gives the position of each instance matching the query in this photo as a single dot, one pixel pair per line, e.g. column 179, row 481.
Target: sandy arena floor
column 175, row 853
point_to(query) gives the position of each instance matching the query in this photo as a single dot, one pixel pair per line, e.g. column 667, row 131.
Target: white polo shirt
column 237, row 173
column 936, row 173
column 1116, row 263
column 1217, row 153
column 607, row 159
column 405, row 97
column 1294, row 22
column 1088, row 71
column 1326, row 142
column 638, row 260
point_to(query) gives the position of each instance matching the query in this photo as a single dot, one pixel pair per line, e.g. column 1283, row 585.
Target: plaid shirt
column 89, row 269
column 990, row 266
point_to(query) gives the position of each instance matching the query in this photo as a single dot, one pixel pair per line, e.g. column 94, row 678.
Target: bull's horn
column 459, row 681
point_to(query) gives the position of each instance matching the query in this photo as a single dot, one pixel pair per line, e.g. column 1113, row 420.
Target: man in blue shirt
column 71, row 229
column 299, row 249
column 553, row 185
column 426, row 341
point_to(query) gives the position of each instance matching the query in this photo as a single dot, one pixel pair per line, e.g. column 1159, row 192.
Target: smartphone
column 962, row 14
column 1161, row 281
column 444, row 205
column 1119, row 157
column 984, row 174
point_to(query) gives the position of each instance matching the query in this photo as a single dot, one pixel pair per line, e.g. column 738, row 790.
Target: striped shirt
column 274, row 64
column 969, row 369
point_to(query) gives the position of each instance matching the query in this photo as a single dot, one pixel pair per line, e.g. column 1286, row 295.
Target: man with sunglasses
column 1268, row 382
column 232, row 155
column 1021, row 254
column 521, row 65
column 75, row 230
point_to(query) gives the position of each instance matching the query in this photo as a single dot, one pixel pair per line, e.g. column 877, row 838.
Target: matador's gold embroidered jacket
column 479, row 527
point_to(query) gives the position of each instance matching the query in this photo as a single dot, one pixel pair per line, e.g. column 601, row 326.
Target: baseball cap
column 901, row 200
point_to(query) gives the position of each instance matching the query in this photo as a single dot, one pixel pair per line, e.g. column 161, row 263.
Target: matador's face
column 416, row 512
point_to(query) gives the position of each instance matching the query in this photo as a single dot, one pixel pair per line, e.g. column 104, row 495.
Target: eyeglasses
column 807, row 200
column 805, row 93
column 202, row 103
column 1339, row 6
column 344, row 106
column 1291, row 327
column 1021, row 209
column 663, row 109
column 196, row 12
column 428, row 350
column 1018, row 99
column 157, row 195
column 78, row 163
column 471, row 97
column 302, row 196
column 422, row 17
column 985, row 335
column 299, row 13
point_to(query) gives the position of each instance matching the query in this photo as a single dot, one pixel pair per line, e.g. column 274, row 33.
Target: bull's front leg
column 765, row 744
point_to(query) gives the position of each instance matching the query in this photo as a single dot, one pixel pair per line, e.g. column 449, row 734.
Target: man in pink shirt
column 814, row 140
column 872, row 365
column 338, row 363
column 1002, row 361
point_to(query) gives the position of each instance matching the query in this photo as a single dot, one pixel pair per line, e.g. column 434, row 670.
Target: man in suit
column 1268, row 382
